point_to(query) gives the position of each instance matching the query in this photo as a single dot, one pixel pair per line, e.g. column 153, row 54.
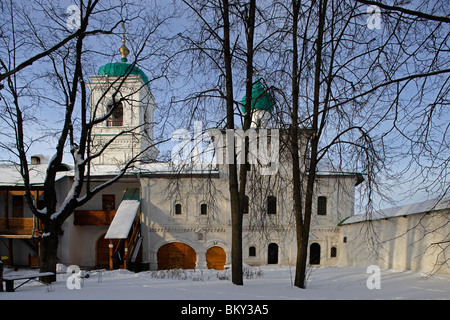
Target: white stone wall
column 405, row 242
column 78, row 243
column 160, row 224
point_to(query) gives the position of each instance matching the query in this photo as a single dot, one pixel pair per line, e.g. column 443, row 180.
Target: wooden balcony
column 20, row 228
column 93, row 217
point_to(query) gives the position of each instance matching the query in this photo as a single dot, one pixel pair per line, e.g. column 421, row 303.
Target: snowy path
column 274, row 284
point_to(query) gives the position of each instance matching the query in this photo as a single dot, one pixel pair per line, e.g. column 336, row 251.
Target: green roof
column 132, row 194
column 120, row 69
column 261, row 99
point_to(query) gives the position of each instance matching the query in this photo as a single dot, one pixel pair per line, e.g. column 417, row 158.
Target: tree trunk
column 303, row 233
column 49, row 250
column 302, row 253
column 303, row 222
column 236, row 239
column 236, row 215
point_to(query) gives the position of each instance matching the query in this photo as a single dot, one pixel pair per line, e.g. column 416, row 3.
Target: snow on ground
column 264, row 283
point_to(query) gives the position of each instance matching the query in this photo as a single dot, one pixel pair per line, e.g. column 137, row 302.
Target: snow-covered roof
column 123, row 220
column 415, row 208
column 10, row 175
column 126, row 213
column 151, row 168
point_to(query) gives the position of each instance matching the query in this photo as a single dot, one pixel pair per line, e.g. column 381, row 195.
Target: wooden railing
column 129, row 244
column 93, row 217
column 131, row 241
column 20, row 226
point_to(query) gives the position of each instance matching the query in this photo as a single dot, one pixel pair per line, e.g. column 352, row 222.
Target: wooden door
column 176, row 255
column 102, row 251
column 216, row 258
column 314, row 253
column 108, row 202
column 273, row 254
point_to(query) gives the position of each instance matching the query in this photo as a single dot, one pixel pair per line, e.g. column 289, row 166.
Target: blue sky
column 104, row 49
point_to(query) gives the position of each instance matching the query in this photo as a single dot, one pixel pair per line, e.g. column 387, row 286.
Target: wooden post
column 1, row 276
column 111, row 252
column 125, row 254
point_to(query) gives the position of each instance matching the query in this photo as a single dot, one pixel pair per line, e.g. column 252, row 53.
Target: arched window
column 322, row 206
column 116, row 118
column 203, row 209
column 333, row 253
column 252, row 252
column 314, row 253
column 177, row 209
column 271, row 205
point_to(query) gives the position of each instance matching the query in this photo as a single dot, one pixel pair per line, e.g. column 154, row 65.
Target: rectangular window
column 108, row 202
column 177, row 209
column 246, row 204
column 271, row 205
column 203, row 209
column 333, row 253
column 322, row 206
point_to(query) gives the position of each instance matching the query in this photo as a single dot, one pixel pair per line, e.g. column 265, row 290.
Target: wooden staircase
column 125, row 227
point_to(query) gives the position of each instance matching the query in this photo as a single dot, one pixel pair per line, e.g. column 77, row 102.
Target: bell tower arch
column 123, row 105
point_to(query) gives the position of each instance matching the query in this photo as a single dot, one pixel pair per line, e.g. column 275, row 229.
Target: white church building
column 162, row 215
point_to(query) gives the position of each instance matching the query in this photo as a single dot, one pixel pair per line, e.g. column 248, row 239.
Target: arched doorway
column 273, row 254
column 314, row 253
column 176, row 255
column 216, row 258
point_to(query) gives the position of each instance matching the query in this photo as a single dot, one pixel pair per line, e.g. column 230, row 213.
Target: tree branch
column 407, row 11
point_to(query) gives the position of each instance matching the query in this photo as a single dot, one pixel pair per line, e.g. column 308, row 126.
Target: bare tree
column 417, row 115
column 66, row 69
column 343, row 86
column 221, row 45
column 347, row 89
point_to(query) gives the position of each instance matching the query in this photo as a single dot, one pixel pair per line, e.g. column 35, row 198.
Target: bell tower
column 261, row 105
column 123, row 104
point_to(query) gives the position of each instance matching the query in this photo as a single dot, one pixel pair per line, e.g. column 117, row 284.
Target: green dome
column 261, row 99
column 120, row 69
